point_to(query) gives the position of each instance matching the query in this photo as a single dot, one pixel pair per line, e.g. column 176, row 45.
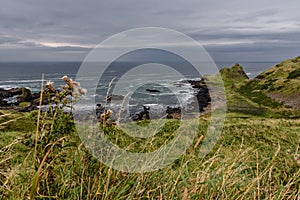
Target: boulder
column 25, row 96
column 173, row 113
column 142, row 115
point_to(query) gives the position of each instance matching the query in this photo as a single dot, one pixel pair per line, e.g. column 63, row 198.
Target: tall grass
column 243, row 169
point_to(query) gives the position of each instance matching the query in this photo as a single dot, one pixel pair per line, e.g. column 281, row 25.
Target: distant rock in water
column 152, row 90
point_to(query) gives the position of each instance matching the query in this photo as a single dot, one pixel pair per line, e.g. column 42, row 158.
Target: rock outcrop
column 235, row 73
column 142, row 115
column 202, row 93
column 173, row 113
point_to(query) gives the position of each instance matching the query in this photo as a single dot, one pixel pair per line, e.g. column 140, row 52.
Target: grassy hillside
column 273, row 93
column 281, row 82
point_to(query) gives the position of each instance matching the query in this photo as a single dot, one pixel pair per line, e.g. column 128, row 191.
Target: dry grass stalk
column 38, row 119
column 199, row 141
column 185, row 195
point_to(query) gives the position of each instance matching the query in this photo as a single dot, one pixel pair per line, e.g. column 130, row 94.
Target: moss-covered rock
column 235, row 73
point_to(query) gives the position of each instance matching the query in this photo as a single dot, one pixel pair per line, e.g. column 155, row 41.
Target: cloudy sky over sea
column 234, row 30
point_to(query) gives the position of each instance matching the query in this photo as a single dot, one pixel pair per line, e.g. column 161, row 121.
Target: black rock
column 203, row 98
column 25, row 96
column 173, row 113
column 202, row 93
column 9, row 93
column 142, row 115
column 152, row 90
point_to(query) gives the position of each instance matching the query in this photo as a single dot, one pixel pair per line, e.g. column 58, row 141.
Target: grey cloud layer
column 67, row 30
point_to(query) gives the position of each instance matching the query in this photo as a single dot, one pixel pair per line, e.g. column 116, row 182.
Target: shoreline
column 24, row 100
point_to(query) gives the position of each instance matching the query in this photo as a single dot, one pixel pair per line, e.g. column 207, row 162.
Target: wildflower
column 109, row 112
column 64, row 78
column 106, row 118
column 74, row 83
column 288, row 151
column 66, row 87
column 82, row 91
column 50, row 87
column 69, row 82
column 74, row 86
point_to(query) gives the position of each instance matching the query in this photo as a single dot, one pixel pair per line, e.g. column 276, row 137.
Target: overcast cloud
column 256, row 30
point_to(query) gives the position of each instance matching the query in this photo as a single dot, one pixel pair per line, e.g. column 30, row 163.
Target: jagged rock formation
column 235, row 73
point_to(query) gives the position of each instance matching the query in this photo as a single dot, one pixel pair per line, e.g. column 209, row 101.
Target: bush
column 294, row 74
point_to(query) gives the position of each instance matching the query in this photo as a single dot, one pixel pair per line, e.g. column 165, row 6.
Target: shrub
column 294, row 74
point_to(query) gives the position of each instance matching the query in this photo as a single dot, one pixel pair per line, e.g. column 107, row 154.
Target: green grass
column 21, row 122
column 249, row 161
column 282, row 78
column 254, row 91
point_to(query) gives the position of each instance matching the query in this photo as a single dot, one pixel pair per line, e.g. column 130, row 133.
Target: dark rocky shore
column 20, row 99
column 23, row 100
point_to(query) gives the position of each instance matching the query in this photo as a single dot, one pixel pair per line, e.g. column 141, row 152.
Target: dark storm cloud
column 67, row 30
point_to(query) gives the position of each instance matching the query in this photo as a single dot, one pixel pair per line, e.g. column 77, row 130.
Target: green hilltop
column 235, row 73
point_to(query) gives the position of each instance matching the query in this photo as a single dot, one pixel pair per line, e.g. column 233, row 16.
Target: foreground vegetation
column 256, row 157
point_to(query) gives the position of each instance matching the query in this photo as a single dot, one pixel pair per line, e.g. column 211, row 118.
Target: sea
column 28, row 74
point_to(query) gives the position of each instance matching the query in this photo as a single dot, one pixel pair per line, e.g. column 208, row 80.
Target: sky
column 67, row 30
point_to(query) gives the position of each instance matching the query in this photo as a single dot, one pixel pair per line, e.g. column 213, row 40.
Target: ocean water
column 28, row 74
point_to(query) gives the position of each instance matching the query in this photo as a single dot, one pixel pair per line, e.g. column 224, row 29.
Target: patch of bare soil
column 292, row 100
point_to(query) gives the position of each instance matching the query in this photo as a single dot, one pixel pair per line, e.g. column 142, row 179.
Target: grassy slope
column 278, row 77
column 281, row 82
column 254, row 158
column 252, row 96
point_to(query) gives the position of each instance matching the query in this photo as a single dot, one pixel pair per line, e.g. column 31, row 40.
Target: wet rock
column 36, row 101
column 203, row 98
column 202, row 93
column 142, row 115
column 28, row 108
column 25, row 96
column 152, row 90
column 173, row 113
column 9, row 93
column 197, row 83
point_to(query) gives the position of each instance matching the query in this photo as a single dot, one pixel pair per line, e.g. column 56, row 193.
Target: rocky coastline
column 24, row 100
